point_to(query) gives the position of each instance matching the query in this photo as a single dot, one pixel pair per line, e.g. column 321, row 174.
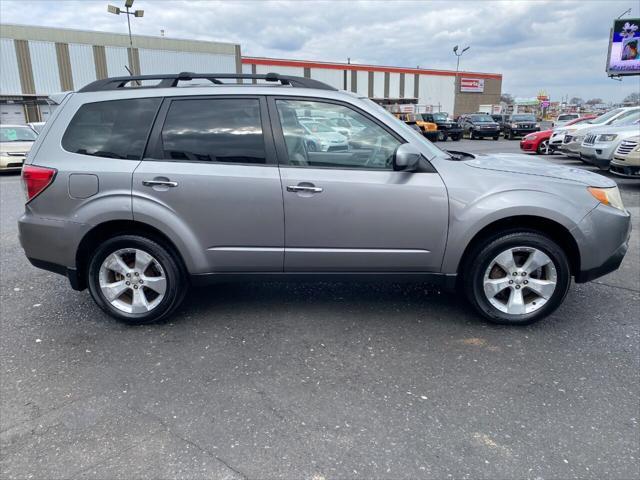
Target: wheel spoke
column 494, row 286
column 516, row 306
column 113, row 290
column 544, row 288
column 506, row 261
column 157, row 284
column 115, row 263
column 139, row 303
column 536, row 260
column 143, row 260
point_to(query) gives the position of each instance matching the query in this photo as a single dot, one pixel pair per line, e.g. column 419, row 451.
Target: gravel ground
column 331, row 380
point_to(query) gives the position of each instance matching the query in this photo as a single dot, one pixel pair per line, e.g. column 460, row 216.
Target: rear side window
column 112, row 129
column 226, row 130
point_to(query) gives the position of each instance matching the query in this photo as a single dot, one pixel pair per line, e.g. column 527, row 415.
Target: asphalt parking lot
column 313, row 381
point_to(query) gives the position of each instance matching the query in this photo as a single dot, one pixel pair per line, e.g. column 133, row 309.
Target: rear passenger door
column 210, row 180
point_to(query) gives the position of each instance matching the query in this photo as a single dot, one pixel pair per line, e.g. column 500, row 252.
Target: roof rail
column 172, row 80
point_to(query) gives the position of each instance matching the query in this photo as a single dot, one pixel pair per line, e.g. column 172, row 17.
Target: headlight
column 514, row 125
column 560, row 132
column 537, row 125
column 530, row 137
column 607, row 137
column 638, row 148
column 607, row 196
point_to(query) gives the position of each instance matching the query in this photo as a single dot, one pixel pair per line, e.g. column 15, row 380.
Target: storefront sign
column 472, row 85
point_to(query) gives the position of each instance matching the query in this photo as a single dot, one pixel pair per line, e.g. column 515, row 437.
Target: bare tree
column 632, row 98
column 594, row 101
column 506, row 98
column 576, row 101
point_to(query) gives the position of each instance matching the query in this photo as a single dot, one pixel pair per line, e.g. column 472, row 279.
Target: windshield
column 316, row 127
column 481, row 118
column 627, row 118
column 523, row 118
column 606, row 116
column 440, row 117
column 403, row 127
column 17, row 134
column 566, row 117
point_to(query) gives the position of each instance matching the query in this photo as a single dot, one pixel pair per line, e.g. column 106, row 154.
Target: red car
column 537, row 142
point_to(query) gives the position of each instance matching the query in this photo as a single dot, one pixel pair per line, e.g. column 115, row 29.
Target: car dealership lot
column 331, row 380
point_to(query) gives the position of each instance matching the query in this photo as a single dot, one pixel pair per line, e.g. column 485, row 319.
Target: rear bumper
column 52, row 244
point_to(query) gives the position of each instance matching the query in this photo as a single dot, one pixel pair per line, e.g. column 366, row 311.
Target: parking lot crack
column 633, row 290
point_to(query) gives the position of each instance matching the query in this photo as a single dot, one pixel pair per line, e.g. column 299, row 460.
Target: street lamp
column 127, row 5
column 455, row 51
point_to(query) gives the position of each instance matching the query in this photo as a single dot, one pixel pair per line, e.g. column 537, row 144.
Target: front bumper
column 623, row 169
column 603, row 240
column 528, row 145
column 486, row 133
column 523, row 131
column 598, row 154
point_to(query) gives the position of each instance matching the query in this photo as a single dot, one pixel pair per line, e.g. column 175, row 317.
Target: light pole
column 455, row 51
column 127, row 5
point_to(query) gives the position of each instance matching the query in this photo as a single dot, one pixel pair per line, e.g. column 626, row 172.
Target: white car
column 15, row 143
column 563, row 119
column 574, row 134
column 321, row 138
column 600, row 143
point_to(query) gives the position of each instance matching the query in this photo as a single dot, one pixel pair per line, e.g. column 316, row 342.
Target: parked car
column 500, row 119
column 15, row 143
column 626, row 159
column 480, row 126
column 136, row 193
column 574, row 134
column 428, row 129
column 564, row 119
column 320, row 137
column 599, row 144
column 557, row 137
column 520, row 124
column 537, row 142
column 447, row 128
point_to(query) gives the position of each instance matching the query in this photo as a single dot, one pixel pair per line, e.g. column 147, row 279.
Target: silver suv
column 138, row 191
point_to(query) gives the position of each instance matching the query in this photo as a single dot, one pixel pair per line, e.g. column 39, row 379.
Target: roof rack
column 172, row 80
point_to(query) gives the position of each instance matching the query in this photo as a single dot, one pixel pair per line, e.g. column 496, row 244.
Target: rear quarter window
column 111, row 129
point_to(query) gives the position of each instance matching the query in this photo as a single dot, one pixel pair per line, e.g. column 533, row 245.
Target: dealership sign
column 472, row 85
column 624, row 48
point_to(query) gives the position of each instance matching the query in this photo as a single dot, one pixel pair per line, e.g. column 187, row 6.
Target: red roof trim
column 367, row 68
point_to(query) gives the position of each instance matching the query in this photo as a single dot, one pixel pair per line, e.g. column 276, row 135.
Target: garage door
column 12, row 114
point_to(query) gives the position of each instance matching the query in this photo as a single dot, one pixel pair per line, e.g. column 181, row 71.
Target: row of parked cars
column 610, row 141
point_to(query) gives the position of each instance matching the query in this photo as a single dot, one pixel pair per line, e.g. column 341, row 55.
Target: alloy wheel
column 132, row 281
column 520, row 280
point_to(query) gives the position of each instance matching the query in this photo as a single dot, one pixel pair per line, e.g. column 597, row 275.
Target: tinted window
column 214, row 130
column 481, row 118
column 523, row 118
column 114, row 129
column 361, row 143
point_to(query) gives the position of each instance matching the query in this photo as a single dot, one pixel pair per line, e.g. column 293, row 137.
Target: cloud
column 556, row 46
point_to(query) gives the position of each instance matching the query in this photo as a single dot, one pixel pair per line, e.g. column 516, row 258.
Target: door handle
column 159, row 183
column 303, row 188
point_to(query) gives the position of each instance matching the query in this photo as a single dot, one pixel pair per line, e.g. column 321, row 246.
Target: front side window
column 17, row 134
column 112, row 129
column 226, row 130
column 347, row 139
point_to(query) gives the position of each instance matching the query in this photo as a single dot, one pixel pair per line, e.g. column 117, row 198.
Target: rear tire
column 127, row 262
column 518, row 294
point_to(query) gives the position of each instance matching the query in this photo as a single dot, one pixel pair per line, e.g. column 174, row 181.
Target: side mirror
column 406, row 158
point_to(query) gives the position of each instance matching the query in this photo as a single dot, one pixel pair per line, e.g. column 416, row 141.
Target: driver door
column 346, row 209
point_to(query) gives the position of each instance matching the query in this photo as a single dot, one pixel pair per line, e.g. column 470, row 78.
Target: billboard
column 472, row 85
column 624, row 56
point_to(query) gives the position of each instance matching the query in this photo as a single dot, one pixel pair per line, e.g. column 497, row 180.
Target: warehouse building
column 424, row 89
column 39, row 61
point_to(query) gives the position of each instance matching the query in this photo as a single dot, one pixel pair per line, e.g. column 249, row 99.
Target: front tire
column 517, row 277
column 442, row 137
column 136, row 280
column 544, row 148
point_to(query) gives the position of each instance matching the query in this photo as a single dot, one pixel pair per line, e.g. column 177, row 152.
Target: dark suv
column 447, row 128
column 480, row 125
column 519, row 125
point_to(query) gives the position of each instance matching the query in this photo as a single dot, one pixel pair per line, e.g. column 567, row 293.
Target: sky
column 559, row 47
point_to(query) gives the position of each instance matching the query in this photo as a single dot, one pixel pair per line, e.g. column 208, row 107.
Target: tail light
column 36, row 179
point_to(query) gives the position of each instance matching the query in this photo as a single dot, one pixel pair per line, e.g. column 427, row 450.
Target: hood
column 524, row 164
column 19, row 147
